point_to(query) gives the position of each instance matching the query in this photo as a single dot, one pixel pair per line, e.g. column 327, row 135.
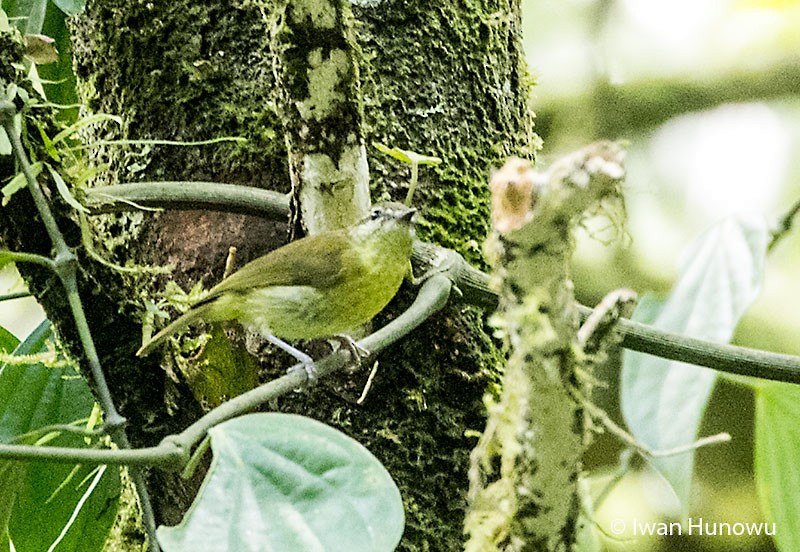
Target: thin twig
column 784, row 225
column 368, row 385
column 645, row 451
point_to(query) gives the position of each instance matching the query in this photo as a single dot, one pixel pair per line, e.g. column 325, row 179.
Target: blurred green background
column 707, row 93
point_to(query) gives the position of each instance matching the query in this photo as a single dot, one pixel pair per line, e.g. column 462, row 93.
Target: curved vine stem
column 446, row 271
column 473, row 285
column 65, row 265
column 174, row 451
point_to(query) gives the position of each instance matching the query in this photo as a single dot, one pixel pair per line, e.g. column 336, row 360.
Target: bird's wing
column 314, row 261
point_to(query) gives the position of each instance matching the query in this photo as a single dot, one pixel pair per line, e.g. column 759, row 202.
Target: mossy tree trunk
column 445, row 80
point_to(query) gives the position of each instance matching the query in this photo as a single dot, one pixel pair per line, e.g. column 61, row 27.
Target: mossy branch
column 524, row 471
column 317, row 89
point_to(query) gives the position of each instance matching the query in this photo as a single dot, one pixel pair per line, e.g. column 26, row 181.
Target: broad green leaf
column 777, row 441
column 663, row 401
column 285, row 482
column 58, row 78
column 49, row 498
column 11, row 476
column 21, row 385
column 12, row 473
column 33, row 396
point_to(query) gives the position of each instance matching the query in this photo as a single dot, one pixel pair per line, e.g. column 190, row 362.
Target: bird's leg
column 357, row 351
column 308, row 362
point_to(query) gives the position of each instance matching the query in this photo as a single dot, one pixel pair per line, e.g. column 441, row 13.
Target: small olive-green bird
column 318, row 286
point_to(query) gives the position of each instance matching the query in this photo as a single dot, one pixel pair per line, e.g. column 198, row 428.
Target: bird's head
column 387, row 221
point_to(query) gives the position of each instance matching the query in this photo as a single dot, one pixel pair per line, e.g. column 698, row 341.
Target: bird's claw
column 357, row 351
column 310, row 370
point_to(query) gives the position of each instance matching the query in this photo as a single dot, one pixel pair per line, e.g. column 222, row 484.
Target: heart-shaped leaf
column 663, row 401
column 286, row 482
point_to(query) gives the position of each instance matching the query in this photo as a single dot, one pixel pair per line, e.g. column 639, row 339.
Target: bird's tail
column 192, row 315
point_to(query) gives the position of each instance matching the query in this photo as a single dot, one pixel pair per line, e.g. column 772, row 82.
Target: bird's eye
column 376, row 213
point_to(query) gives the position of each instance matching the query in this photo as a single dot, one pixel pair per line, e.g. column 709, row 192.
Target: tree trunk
column 445, row 80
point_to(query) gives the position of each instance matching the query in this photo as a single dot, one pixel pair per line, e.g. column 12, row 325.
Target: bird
column 319, row 286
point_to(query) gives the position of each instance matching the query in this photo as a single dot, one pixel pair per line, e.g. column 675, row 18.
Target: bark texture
column 444, row 80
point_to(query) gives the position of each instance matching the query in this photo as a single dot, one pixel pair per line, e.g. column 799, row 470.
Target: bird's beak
column 407, row 215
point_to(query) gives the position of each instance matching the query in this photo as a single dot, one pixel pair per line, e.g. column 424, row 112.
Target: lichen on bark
column 524, row 473
column 319, row 98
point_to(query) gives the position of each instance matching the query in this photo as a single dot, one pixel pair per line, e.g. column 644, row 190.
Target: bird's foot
column 309, row 368
column 357, row 351
column 307, row 362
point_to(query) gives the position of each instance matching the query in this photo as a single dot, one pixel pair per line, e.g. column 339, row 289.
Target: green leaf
column 32, row 396
column 28, row 15
column 50, row 496
column 663, row 401
column 14, row 185
column 407, row 156
column 48, row 145
column 11, row 476
column 18, row 182
column 84, row 122
column 5, row 26
column 58, row 78
column 5, row 143
column 40, row 49
column 20, row 385
column 777, row 440
column 285, row 482
column 6, row 257
column 70, row 7
column 8, row 341
column 63, row 189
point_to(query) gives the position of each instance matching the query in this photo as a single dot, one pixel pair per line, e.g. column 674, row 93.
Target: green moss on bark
column 445, row 80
